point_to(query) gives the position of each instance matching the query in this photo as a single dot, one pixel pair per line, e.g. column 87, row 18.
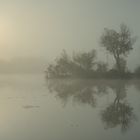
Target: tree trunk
column 118, row 65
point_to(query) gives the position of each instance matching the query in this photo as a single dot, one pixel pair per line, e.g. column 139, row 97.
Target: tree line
column 118, row 43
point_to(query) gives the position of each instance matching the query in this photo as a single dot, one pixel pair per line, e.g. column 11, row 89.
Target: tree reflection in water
column 81, row 91
column 118, row 113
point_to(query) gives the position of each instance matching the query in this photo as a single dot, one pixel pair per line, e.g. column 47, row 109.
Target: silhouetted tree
column 119, row 44
column 61, row 67
column 85, row 60
column 83, row 63
column 123, row 66
column 102, row 67
column 80, row 65
column 63, row 64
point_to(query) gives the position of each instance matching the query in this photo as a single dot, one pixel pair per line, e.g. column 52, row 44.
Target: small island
column 85, row 65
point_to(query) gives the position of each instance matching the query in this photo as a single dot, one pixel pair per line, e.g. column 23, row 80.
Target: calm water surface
column 33, row 108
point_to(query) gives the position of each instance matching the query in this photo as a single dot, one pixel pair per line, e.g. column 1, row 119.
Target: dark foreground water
column 32, row 108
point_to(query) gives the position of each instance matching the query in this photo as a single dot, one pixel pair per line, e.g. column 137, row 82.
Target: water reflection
column 80, row 91
column 117, row 113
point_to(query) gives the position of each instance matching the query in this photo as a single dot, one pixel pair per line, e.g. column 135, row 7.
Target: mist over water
column 69, row 70
column 33, row 108
column 23, row 65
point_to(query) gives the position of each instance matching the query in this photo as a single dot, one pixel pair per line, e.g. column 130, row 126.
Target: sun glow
column 5, row 31
column 7, row 36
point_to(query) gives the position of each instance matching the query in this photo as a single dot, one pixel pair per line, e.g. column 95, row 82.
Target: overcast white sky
column 42, row 28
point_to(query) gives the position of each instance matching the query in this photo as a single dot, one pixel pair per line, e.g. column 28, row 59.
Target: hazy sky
column 42, row 28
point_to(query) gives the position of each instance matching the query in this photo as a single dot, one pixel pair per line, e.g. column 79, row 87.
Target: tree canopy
column 119, row 44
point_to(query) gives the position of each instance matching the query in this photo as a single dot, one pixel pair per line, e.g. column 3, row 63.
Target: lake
column 33, row 108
